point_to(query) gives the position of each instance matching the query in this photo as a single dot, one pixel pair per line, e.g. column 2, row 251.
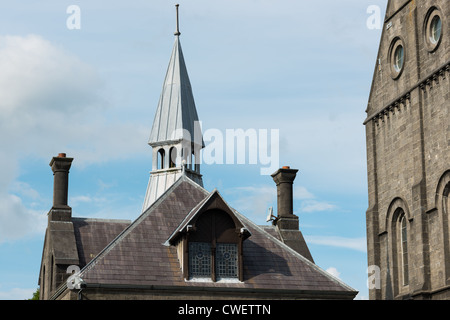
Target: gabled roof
column 138, row 256
column 213, row 200
column 176, row 108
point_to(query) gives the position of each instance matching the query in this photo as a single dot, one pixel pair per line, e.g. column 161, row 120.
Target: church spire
column 176, row 136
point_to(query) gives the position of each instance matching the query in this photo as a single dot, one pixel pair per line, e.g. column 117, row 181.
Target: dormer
column 209, row 242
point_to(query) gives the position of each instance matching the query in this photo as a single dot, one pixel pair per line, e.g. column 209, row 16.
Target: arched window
column 44, row 282
column 404, row 249
column 50, row 288
column 173, row 157
column 193, row 162
column 161, row 158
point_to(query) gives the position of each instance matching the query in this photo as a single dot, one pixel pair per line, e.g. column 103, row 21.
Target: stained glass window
column 199, row 259
column 226, row 260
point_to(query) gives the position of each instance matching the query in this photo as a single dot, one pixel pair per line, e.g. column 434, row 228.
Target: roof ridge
column 136, row 222
column 102, row 220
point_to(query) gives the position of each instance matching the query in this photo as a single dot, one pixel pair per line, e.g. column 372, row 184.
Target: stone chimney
column 286, row 221
column 284, row 179
column 60, row 166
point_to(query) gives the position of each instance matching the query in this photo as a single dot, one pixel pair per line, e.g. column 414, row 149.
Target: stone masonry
column 408, row 158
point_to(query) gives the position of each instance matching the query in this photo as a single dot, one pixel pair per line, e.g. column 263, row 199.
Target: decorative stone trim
column 404, row 101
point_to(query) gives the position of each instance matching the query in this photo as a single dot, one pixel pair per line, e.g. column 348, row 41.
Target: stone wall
column 408, row 144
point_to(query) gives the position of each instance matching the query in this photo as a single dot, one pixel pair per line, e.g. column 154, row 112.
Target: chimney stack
column 60, row 166
column 286, row 221
column 284, row 179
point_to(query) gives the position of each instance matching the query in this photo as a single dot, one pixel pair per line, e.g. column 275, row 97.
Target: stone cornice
column 405, row 97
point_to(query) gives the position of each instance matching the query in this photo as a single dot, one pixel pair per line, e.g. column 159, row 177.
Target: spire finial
column 177, row 33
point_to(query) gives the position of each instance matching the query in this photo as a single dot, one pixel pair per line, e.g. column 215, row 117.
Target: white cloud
column 256, row 200
column 253, row 200
column 38, row 77
column 358, row 244
column 16, row 221
column 315, row 206
column 334, row 272
column 25, row 190
column 17, row 294
column 51, row 102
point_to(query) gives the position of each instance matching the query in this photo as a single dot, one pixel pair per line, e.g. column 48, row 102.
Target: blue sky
column 301, row 67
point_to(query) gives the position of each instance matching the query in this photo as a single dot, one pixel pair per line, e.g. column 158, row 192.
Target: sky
column 86, row 81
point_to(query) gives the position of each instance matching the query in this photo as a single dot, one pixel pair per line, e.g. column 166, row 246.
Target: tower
column 176, row 137
column 408, row 154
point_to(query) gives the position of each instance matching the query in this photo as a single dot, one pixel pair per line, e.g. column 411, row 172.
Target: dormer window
column 213, row 247
column 210, row 242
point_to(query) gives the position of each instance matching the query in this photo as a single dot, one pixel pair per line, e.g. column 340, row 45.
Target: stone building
column 188, row 243
column 408, row 158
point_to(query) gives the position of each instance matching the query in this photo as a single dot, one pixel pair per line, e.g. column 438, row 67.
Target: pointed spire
column 176, row 136
column 177, row 33
column 176, row 114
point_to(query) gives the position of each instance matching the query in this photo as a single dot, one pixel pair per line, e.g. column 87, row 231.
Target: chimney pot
column 61, row 155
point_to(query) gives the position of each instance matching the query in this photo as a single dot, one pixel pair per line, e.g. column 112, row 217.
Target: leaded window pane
column 226, row 260
column 199, row 259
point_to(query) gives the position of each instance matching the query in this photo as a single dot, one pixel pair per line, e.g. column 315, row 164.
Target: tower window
column 433, row 29
column 161, row 158
column 173, row 157
column 397, row 58
column 436, row 29
column 404, row 249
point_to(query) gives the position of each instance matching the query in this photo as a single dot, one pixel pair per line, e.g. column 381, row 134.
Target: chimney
column 284, row 179
column 60, row 166
column 286, row 221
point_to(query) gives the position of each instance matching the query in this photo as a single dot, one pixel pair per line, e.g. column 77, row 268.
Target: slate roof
column 138, row 256
column 93, row 235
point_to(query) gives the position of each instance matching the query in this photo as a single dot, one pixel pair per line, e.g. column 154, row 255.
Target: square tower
column 408, row 154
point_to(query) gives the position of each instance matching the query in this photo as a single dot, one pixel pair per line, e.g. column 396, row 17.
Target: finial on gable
column 177, row 33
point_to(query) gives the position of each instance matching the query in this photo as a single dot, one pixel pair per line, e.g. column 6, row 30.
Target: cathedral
column 188, row 242
column 408, row 154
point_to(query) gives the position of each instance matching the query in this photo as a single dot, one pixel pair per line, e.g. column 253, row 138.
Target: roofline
column 131, row 226
column 320, row 294
column 111, row 245
column 298, row 255
column 351, row 292
column 101, row 220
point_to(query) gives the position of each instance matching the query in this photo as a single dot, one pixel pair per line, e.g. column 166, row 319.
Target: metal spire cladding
column 176, row 137
column 176, row 108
